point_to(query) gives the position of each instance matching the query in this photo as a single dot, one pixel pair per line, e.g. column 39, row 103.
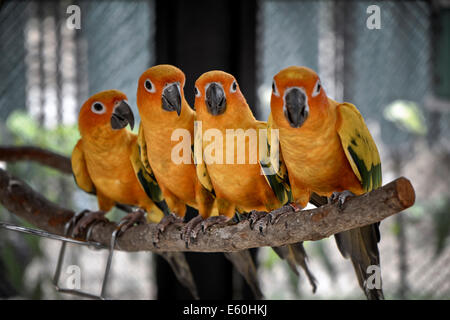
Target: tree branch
column 30, row 153
column 292, row 227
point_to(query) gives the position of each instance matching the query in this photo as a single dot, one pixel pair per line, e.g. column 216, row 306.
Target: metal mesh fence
column 48, row 70
column 373, row 68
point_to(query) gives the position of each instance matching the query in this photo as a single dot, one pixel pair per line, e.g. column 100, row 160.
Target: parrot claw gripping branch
column 19, row 198
column 107, row 153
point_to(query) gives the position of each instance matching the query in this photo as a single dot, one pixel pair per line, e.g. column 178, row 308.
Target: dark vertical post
column 199, row 36
column 344, row 48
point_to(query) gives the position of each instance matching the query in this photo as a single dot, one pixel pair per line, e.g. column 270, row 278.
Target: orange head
column 217, row 93
column 297, row 97
column 160, row 92
column 105, row 112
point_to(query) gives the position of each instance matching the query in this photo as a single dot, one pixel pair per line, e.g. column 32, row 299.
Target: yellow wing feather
column 79, row 168
column 200, row 165
column 276, row 177
column 143, row 170
column 359, row 146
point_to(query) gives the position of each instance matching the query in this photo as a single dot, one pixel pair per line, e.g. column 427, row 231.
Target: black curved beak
column 171, row 98
column 122, row 116
column 216, row 102
column 295, row 107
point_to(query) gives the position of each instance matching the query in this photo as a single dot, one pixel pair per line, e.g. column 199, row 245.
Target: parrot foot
column 207, row 223
column 276, row 214
column 255, row 216
column 132, row 218
column 341, row 197
column 295, row 206
column 163, row 224
column 86, row 218
column 261, row 219
column 191, row 229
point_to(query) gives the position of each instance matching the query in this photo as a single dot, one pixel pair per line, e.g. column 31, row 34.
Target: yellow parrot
column 230, row 168
column 106, row 162
column 328, row 152
column 166, row 118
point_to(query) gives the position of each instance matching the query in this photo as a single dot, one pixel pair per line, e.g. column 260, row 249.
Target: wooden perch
column 292, row 227
column 42, row 156
column 20, row 199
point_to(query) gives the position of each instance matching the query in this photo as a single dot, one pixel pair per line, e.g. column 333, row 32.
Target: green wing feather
column 273, row 167
column 359, row 146
column 360, row 244
column 143, row 170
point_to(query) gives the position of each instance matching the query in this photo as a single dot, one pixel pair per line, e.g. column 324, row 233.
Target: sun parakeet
column 163, row 110
column 233, row 171
column 166, row 121
column 106, row 162
column 328, row 152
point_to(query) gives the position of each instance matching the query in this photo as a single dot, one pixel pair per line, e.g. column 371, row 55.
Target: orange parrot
column 163, row 110
column 105, row 162
column 101, row 159
column 165, row 113
column 328, row 152
column 236, row 178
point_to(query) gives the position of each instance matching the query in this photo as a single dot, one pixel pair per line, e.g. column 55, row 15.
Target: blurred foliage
column 407, row 116
column 403, row 122
column 17, row 250
column 26, row 130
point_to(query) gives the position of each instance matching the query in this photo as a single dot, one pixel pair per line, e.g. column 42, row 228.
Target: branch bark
column 292, row 227
column 42, row 156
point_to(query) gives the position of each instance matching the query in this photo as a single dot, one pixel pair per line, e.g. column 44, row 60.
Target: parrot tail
column 243, row 262
column 182, row 271
column 295, row 254
column 361, row 246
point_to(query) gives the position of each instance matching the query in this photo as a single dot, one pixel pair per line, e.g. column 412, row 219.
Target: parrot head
column 297, row 95
column 160, row 91
column 106, row 111
column 216, row 91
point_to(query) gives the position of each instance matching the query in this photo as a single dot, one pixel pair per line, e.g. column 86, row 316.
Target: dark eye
column 197, row 92
column 233, row 87
column 149, row 86
column 98, row 107
column 274, row 89
column 316, row 89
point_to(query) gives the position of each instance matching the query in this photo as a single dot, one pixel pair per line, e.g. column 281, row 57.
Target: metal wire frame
column 65, row 239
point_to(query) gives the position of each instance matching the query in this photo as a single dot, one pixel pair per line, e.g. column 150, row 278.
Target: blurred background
column 398, row 76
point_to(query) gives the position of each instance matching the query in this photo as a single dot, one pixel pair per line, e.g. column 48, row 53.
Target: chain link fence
column 48, row 70
column 387, row 74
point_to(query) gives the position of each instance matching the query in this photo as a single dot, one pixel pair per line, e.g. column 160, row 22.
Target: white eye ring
column 317, row 88
column 233, row 87
column 149, row 86
column 275, row 89
column 197, row 92
column 98, row 107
